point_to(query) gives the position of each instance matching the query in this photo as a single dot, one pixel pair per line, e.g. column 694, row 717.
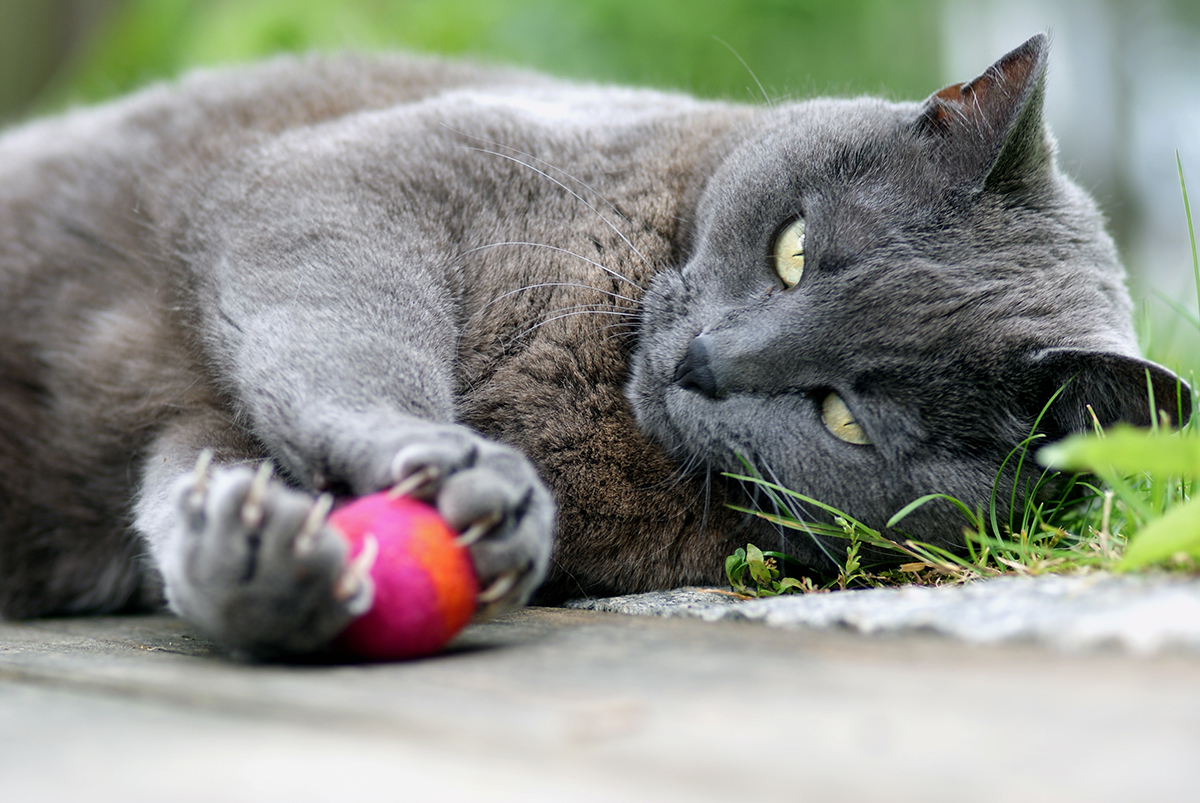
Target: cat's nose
column 695, row 371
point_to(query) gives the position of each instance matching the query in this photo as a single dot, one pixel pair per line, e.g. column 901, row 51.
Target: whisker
column 575, row 195
column 738, row 56
column 605, row 268
column 571, row 311
column 540, row 285
column 549, row 166
column 624, row 326
column 796, row 509
column 702, row 493
column 582, row 590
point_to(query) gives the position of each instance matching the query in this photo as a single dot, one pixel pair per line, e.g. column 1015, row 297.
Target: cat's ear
column 1116, row 387
column 989, row 132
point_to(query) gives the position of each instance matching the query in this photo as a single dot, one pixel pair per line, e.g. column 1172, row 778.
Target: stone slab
column 1142, row 614
column 569, row 705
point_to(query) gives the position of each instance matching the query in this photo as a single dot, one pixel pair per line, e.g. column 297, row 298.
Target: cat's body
column 351, row 266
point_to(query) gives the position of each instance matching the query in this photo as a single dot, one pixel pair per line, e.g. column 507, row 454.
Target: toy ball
column 425, row 583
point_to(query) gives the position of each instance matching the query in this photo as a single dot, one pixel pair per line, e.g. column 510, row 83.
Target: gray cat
column 557, row 311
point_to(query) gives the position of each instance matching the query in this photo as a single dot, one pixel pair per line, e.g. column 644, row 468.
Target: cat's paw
column 492, row 495
column 254, row 564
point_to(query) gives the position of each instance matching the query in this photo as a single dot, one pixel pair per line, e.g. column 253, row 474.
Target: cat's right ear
column 1111, row 388
column 989, row 132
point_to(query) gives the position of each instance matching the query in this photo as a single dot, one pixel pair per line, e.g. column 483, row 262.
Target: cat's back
column 223, row 107
column 124, row 164
column 135, row 164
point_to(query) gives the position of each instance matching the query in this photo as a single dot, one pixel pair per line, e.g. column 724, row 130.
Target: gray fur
column 366, row 270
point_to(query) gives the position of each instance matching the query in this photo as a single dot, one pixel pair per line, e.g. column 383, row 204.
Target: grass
column 1134, row 512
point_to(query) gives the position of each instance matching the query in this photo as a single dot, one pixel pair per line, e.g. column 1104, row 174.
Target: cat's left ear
column 1116, row 388
column 989, row 132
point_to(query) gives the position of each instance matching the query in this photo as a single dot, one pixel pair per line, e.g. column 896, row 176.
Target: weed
column 754, row 573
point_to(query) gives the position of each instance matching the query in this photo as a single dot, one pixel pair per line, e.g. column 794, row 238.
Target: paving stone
column 1143, row 614
column 571, row 705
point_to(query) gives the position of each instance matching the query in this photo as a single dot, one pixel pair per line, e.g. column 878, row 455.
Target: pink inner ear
column 988, row 132
column 952, row 93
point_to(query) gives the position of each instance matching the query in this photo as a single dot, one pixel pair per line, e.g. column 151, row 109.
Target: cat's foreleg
column 339, row 397
column 345, row 369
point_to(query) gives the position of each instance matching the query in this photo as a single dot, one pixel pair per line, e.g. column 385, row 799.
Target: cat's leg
column 345, row 369
column 340, row 401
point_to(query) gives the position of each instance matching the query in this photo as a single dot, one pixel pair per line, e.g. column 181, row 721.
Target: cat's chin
column 693, row 430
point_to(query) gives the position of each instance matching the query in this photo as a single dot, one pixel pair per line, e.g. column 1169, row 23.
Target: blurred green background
column 1123, row 89
column 85, row 50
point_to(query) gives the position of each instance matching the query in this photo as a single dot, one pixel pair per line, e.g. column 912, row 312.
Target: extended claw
column 253, row 509
column 354, row 586
column 307, row 538
column 415, row 481
column 200, row 479
column 499, row 587
column 479, row 529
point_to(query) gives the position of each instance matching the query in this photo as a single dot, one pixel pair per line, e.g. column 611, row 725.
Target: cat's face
column 877, row 306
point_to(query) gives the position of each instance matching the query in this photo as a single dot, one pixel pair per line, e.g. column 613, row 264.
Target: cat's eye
column 789, row 253
column 840, row 422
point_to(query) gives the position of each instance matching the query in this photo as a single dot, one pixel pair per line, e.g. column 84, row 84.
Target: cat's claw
column 478, row 529
column 414, row 483
column 200, row 480
column 252, row 507
column 310, row 531
column 498, row 589
column 354, row 586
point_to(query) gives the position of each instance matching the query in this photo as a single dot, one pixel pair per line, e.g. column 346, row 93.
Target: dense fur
column 378, row 270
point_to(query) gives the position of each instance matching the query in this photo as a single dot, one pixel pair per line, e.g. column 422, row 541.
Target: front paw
column 254, row 564
column 491, row 494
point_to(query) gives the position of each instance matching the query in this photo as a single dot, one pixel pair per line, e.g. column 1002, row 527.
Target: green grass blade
column 1187, row 209
column 1177, row 308
column 833, row 511
column 916, row 503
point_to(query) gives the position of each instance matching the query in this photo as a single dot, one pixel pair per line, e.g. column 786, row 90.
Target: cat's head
column 880, row 300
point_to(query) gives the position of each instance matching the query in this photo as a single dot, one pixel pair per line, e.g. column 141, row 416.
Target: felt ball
column 425, row 583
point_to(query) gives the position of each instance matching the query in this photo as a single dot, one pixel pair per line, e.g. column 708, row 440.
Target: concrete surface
column 565, row 705
column 1144, row 613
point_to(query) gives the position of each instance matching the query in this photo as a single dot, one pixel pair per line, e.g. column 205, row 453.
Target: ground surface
column 567, row 705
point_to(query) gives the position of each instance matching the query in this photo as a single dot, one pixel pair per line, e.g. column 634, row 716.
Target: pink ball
column 425, row 584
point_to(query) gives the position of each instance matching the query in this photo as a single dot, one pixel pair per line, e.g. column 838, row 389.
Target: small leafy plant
column 754, row 573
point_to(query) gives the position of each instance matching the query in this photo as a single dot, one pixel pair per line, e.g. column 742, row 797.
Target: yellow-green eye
column 789, row 253
column 839, row 421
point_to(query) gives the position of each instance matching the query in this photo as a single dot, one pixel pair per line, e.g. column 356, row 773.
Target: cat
column 559, row 312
